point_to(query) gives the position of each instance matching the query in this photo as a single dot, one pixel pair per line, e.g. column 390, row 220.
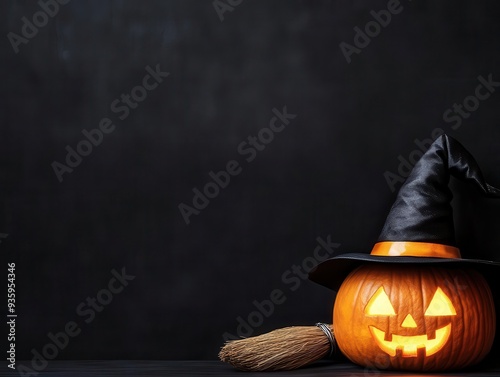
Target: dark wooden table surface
column 212, row 368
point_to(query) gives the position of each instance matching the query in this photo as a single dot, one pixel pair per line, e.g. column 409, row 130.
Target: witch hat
column 419, row 227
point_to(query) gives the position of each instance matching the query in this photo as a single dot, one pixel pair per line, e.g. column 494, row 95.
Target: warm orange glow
column 409, row 322
column 440, row 305
column 419, row 317
column 379, row 304
column 414, row 249
column 409, row 345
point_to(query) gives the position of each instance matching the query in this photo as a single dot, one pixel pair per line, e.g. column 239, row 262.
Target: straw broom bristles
column 283, row 349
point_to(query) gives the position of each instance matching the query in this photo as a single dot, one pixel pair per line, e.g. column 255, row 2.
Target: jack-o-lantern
column 414, row 317
column 414, row 303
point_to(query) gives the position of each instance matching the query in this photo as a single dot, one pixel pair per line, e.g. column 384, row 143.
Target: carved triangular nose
column 409, row 322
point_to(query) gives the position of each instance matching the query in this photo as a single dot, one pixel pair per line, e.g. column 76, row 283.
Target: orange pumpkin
column 414, row 317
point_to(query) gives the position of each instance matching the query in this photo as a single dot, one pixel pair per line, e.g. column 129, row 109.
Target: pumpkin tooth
column 421, row 351
column 399, row 351
column 388, row 336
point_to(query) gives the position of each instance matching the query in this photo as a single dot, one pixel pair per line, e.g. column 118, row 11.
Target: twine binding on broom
column 329, row 334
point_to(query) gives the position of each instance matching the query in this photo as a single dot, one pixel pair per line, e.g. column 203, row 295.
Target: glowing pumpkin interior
column 407, row 345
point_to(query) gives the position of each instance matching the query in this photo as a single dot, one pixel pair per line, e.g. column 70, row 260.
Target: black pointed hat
column 419, row 227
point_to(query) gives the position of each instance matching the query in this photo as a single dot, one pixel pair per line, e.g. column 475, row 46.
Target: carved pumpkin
column 414, row 317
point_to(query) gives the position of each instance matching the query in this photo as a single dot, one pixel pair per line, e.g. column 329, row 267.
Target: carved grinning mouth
column 407, row 346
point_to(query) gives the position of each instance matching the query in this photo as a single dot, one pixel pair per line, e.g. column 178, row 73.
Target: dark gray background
column 323, row 175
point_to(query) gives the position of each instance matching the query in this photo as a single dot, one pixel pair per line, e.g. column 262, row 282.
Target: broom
column 283, row 349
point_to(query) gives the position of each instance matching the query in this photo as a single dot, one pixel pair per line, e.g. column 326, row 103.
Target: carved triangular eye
column 440, row 305
column 379, row 304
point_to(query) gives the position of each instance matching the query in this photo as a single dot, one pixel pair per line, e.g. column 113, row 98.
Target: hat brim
column 332, row 272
